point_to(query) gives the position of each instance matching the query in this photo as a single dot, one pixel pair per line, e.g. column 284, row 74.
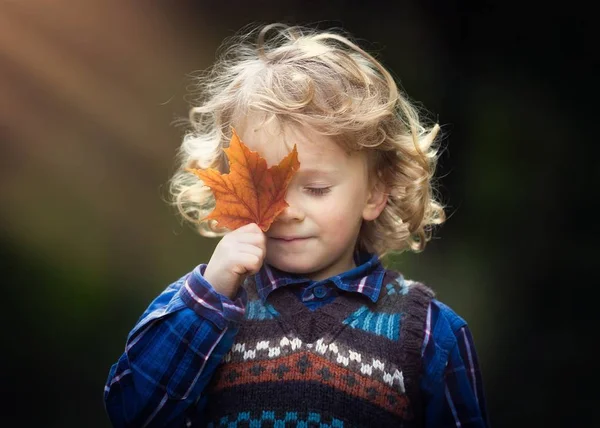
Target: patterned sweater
column 171, row 372
column 349, row 363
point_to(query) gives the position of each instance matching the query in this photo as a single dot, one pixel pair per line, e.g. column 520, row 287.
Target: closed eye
column 318, row 191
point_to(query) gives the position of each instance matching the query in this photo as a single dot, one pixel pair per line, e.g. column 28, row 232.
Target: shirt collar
column 366, row 278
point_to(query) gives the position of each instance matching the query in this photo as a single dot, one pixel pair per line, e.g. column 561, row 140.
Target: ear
column 377, row 198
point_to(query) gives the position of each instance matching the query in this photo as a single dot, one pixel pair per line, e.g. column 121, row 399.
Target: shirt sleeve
column 171, row 354
column 452, row 382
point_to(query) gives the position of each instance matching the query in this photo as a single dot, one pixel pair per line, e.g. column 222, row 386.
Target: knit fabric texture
column 350, row 363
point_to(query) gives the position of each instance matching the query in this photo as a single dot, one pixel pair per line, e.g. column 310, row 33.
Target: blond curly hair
column 323, row 80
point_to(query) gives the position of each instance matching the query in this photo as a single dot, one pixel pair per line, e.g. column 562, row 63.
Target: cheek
column 341, row 218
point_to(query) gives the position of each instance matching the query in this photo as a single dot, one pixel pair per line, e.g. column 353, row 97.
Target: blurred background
column 89, row 96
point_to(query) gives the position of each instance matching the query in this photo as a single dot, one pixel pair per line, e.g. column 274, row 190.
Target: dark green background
column 90, row 96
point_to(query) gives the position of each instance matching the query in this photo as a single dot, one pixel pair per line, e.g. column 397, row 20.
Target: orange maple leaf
column 250, row 193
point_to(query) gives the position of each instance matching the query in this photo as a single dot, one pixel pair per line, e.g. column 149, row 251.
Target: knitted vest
column 351, row 363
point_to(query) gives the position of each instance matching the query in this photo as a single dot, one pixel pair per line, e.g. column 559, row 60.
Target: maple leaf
column 250, row 193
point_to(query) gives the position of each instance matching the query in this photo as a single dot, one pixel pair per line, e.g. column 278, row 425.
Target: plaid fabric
column 366, row 278
column 178, row 342
column 454, row 393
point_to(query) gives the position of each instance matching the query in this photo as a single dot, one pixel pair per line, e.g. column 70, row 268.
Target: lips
column 288, row 238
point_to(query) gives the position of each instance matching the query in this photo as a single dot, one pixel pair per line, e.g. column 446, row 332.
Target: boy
column 301, row 325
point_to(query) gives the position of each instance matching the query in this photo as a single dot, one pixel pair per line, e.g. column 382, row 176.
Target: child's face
column 328, row 199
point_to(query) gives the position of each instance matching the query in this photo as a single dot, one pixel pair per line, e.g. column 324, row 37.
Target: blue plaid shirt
column 180, row 339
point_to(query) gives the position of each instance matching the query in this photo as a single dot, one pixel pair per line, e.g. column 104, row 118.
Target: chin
column 291, row 266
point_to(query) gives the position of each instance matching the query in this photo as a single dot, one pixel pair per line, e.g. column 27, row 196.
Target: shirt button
column 320, row 292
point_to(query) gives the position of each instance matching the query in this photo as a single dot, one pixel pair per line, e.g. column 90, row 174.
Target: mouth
column 288, row 238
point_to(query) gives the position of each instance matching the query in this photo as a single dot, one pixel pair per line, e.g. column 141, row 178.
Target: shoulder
column 443, row 335
column 445, row 315
column 438, row 313
column 447, row 342
column 443, row 326
column 440, row 323
column 394, row 282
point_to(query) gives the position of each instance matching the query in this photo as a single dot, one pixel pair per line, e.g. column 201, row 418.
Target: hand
column 239, row 253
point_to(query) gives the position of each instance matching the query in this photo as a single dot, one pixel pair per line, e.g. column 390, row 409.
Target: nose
column 291, row 213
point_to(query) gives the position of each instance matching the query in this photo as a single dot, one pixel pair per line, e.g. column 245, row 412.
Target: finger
column 248, row 264
column 254, row 238
column 250, row 227
column 251, row 249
